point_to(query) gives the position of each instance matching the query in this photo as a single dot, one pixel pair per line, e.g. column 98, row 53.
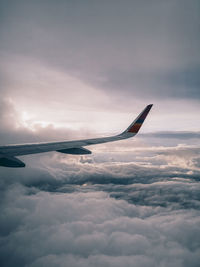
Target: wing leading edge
column 8, row 153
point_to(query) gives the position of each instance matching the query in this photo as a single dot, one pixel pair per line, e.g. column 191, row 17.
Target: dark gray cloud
column 175, row 135
column 148, row 48
column 172, row 138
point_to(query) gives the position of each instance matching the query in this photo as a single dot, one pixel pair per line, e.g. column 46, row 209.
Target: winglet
column 137, row 123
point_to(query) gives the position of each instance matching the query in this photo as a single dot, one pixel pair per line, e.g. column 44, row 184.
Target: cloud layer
column 103, row 211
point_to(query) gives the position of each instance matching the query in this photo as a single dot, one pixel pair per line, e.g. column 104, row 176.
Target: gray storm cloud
column 147, row 48
column 93, row 59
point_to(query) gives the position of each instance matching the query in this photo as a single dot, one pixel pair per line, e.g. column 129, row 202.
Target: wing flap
column 11, row 162
column 75, row 151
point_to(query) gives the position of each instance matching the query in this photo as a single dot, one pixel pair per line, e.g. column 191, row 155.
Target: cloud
column 185, row 135
column 92, row 228
column 72, row 70
column 148, row 49
column 18, row 129
column 101, row 210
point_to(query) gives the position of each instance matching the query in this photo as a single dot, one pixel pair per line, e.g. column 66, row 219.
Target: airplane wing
column 8, row 153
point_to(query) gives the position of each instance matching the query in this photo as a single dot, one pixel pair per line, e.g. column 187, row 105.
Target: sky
column 81, row 69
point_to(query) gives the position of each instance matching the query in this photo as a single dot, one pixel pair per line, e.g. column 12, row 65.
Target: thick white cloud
column 102, row 210
column 87, row 229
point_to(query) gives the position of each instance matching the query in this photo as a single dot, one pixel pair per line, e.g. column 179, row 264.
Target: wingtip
column 150, row 105
column 136, row 125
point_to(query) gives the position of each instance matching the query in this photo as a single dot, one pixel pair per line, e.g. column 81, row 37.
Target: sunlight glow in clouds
column 56, row 98
column 43, row 95
column 31, row 123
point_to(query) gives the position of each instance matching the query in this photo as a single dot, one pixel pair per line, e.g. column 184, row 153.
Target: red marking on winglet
column 136, row 126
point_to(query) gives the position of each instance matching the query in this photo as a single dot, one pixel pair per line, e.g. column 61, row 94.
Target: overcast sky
column 78, row 69
column 75, row 63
